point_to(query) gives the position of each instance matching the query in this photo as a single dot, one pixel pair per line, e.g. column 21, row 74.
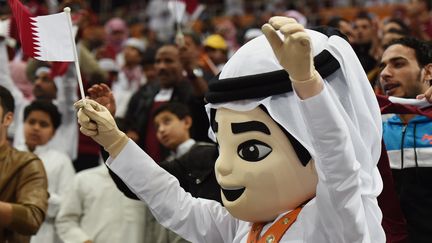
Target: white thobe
column 94, row 209
column 338, row 213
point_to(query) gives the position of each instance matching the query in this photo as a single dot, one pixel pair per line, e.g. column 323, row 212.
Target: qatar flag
column 396, row 105
column 46, row 38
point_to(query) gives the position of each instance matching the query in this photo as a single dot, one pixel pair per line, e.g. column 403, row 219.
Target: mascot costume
column 299, row 135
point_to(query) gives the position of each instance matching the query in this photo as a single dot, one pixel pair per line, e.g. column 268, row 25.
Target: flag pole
column 67, row 11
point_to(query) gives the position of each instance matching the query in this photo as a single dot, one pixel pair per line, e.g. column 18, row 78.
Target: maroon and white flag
column 395, row 105
column 46, row 38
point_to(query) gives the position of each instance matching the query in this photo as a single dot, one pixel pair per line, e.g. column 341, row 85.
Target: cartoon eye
column 253, row 150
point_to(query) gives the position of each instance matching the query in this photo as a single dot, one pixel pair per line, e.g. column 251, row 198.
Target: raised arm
column 348, row 177
column 196, row 220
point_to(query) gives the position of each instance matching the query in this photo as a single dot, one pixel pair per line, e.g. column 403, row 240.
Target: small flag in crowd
column 46, row 38
column 395, row 105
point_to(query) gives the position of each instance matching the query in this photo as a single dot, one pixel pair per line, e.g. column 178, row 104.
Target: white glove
column 294, row 53
column 97, row 122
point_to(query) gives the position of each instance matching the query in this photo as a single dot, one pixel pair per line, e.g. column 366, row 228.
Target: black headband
column 263, row 84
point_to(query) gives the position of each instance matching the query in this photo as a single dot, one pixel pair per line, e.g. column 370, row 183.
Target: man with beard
column 172, row 85
column 406, row 72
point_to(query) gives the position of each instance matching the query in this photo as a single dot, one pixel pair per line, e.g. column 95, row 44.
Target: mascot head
column 267, row 164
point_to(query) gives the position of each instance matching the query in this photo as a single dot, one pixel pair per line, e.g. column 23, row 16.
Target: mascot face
column 257, row 169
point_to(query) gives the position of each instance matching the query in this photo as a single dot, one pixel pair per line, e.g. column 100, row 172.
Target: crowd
column 54, row 186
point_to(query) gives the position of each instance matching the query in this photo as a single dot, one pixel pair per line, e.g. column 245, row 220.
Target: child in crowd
column 41, row 119
column 191, row 162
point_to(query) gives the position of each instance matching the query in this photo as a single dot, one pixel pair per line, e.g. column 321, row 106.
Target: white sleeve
column 194, row 219
column 64, row 176
column 338, row 196
column 68, row 218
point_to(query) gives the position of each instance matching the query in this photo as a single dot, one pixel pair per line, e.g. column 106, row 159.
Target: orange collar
column 276, row 231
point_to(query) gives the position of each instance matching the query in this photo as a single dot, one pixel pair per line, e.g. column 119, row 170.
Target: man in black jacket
column 172, row 85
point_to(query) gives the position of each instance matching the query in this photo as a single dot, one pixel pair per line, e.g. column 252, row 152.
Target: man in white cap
column 131, row 76
column 299, row 134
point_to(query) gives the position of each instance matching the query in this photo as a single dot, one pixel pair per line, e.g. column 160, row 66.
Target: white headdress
column 252, row 77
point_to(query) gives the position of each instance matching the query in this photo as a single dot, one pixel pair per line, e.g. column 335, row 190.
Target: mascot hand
column 294, row 53
column 97, row 122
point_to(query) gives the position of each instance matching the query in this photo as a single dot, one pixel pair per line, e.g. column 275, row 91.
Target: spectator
column 93, row 37
column 60, row 89
column 393, row 29
column 228, row 31
column 94, row 211
column 148, row 66
column 420, row 18
column 191, row 162
column 23, row 184
column 172, row 86
column 344, row 26
column 131, row 76
column 217, row 50
column 365, row 46
column 396, row 24
column 194, row 60
column 41, row 119
column 406, row 72
column 117, row 33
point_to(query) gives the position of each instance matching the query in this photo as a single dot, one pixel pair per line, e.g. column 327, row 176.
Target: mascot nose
column 223, row 166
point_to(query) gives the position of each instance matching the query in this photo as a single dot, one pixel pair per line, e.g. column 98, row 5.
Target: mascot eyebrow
column 249, row 126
